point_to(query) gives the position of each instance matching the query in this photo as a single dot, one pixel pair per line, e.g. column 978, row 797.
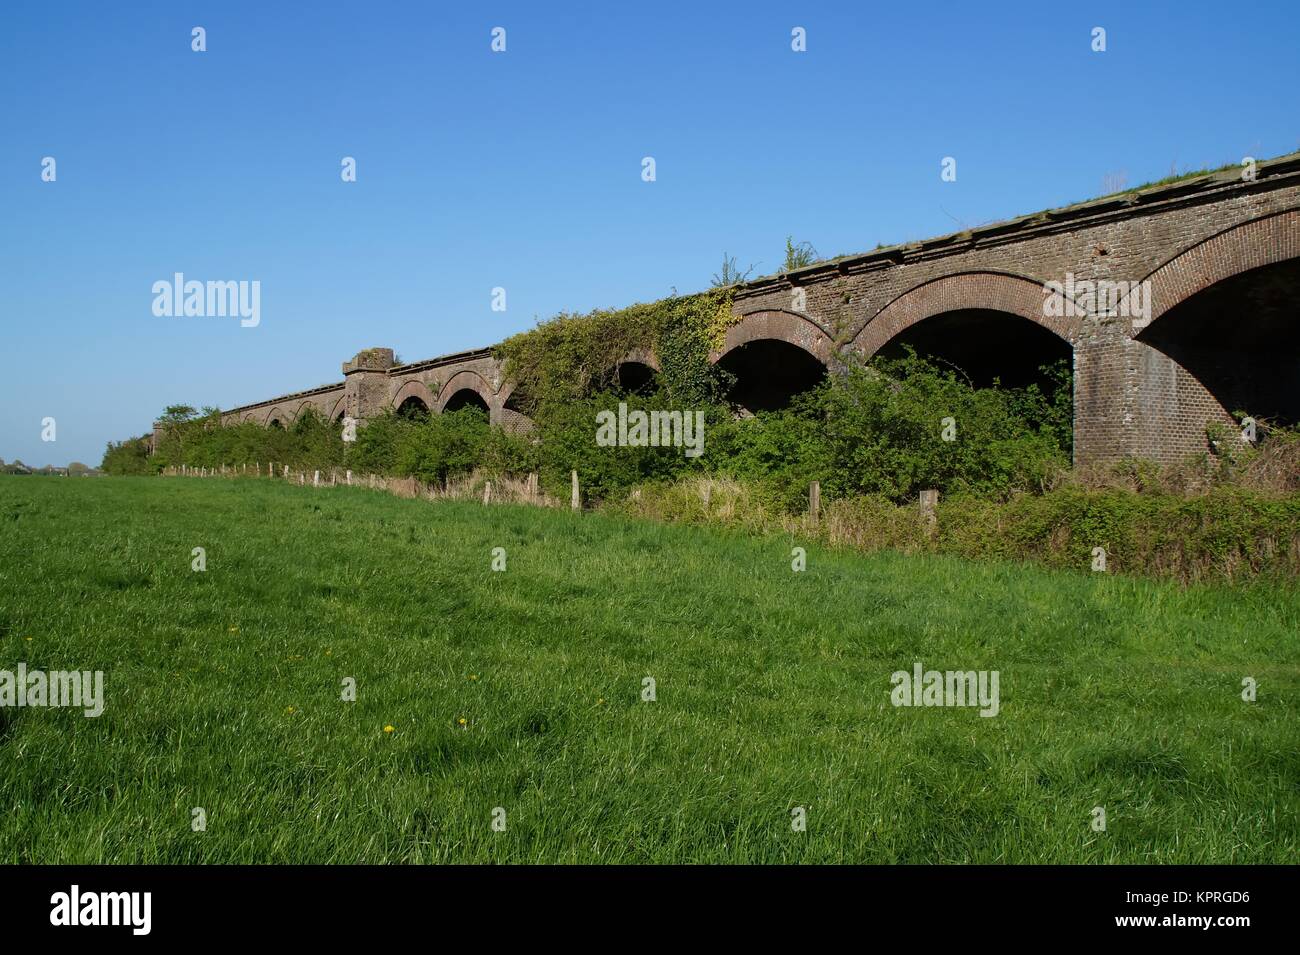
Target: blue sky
column 523, row 169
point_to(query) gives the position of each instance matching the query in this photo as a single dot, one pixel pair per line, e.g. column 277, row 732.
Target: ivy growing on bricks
column 574, row 355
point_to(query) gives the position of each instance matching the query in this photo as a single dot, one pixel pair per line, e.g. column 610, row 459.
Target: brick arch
column 339, row 408
column 1240, row 248
column 415, row 389
column 466, row 379
column 277, row 414
column 507, row 389
column 992, row 291
column 643, row 356
column 636, row 357
column 777, row 324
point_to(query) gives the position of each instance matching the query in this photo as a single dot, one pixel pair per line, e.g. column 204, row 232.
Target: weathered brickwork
column 373, row 382
column 1131, row 399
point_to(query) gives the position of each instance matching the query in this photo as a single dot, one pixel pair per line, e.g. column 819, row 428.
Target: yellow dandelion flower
column 289, row 710
column 461, row 721
column 601, row 701
column 234, row 630
column 388, row 729
column 473, row 676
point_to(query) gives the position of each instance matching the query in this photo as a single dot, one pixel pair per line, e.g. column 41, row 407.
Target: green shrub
column 129, row 457
column 885, row 423
column 567, row 441
column 443, row 446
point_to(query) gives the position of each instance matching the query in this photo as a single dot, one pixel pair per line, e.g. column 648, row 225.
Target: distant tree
column 128, row 457
column 178, row 414
column 76, row 467
column 730, row 273
column 798, row 256
column 174, row 420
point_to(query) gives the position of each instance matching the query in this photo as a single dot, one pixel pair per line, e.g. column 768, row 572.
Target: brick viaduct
column 1213, row 333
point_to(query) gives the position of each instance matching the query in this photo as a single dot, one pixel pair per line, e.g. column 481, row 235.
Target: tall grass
column 223, row 691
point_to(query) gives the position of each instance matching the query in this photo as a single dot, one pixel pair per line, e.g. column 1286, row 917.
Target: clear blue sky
column 522, row 169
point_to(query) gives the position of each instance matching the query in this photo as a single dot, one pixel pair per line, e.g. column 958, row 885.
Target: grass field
column 772, row 692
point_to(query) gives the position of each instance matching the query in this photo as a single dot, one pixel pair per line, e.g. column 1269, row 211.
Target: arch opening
column 413, row 409
column 275, row 423
column 767, row 374
column 985, row 345
column 518, row 401
column 1240, row 338
column 635, row 377
column 466, row 398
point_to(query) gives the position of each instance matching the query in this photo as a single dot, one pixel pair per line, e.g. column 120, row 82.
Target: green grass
column 773, row 692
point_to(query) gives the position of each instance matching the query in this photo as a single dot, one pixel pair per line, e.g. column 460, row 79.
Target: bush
column 885, row 427
column 442, row 446
column 567, row 441
column 1228, row 534
column 777, row 453
column 129, row 457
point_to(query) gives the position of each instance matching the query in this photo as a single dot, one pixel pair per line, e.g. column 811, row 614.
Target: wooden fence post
column 487, row 493
column 815, row 501
column 349, row 478
column 575, row 500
